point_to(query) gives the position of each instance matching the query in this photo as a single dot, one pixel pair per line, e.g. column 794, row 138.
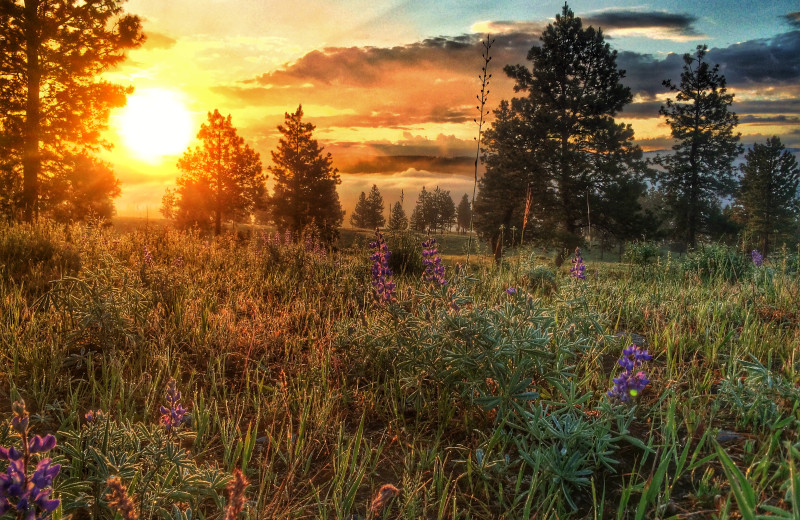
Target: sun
column 155, row 123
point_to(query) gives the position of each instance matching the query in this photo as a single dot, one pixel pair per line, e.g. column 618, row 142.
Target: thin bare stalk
column 482, row 97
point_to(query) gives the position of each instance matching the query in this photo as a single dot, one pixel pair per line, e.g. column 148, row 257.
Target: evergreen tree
column 420, row 217
column 768, row 197
column 368, row 212
column 701, row 168
column 463, row 212
column 305, row 182
column 569, row 146
column 398, row 221
column 221, row 179
column 53, row 107
column 445, row 209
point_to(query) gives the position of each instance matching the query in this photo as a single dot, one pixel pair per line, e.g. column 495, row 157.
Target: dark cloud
column 643, row 19
column 399, row 163
column 770, row 60
column 770, row 120
column 157, row 40
column 793, row 18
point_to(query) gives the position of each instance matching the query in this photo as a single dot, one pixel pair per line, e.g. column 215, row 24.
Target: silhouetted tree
column 434, row 211
column 368, row 212
column 398, row 221
column 53, row 107
column 305, row 181
column 85, row 190
column 768, row 197
column 221, row 179
column 559, row 149
column 701, row 168
column 463, row 212
column 445, row 209
column 570, row 146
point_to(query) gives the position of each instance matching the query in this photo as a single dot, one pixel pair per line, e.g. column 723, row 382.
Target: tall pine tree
column 398, row 221
column 53, row 107
column 567, row 147
column 768, row 197
column 368, row 212
column 700, row 170
column 463, row 213
column 221, row 179
column 305, row 182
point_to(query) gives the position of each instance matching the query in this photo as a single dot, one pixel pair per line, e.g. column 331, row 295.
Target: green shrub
column 641, row 254
column 406, row 258
column 717, row 261
column 542, row 280
column 36, row 254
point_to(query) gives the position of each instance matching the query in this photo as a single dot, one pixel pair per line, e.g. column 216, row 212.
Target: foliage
column 305, row 182
column 717, row 261
column 406, row 253
column 221, row 179
column 561, row 141
column 642, row 255
column 434, row 211
column 463, row 214
column 398, row 221
column 701, row 168
column 368, row 212
column 768, row 196
column 53, row 106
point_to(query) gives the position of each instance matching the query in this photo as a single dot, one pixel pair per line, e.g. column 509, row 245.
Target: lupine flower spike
column 27, row 495
column 236, row 495
column 578, row 268
column 630, row 384
column 119, row 500
column 758, row 258
column 382, row 283
column 385, row 493
column 434, row 270
column 174, row 414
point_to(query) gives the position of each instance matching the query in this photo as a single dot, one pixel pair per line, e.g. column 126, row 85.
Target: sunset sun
column 155, row 123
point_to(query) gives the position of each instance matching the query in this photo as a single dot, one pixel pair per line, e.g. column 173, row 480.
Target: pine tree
column 360, row 216
column 445, row 209
column 53, row 107
column 305, row 182
column 701, row 168
column 221, row 179
column 398, row 221
column 375, row 201
column 569, row 146
column 768, row 197
column 463, row 212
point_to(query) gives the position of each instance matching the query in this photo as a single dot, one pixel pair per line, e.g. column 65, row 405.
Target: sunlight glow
column 155, row 123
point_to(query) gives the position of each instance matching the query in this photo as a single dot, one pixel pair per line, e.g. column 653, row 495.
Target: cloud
column 770, row 120
column 658, row 25
column 156, row 40
column 793, row 18
column 399, row 163
column 769, row 60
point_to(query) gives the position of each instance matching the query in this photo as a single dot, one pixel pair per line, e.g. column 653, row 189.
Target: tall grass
column 473, row 401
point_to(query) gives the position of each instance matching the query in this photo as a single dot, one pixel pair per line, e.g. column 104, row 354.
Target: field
column 483, row 398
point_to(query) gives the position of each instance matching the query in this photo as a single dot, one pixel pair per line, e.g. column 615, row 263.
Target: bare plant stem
column 482, row 97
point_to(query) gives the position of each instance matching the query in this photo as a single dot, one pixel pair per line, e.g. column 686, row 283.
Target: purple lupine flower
column 178, row 262
column 630, row 384
column 434, row 270
column 287, row 237
column 511, row 291
column 175, row 414
column 758, row 258
column 382, row 283
column 28, row 495
column 578, row 268
column 147, row 257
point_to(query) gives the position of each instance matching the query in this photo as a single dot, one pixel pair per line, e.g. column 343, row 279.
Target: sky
column 391, row 85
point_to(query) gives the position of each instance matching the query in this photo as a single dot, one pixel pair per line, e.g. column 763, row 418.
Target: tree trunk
column 31, row 161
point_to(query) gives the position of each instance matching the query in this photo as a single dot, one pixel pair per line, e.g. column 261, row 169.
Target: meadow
column 485, row 397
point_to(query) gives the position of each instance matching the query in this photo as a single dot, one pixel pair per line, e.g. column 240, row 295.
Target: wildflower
column 578, row 268
column 287, row 237
column 511, row 291
column 175, row 415
column 630, row 384
column 434, row 270
column 94, row 415
column 382, row 282
column 28, row 495
column 147, row 257
column 758, row 258
column 236, row 495
column 178, row 262
column 119, row 500
column 385, row 493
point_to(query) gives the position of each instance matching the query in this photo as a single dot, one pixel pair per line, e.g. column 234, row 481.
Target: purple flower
column 434, row 270
column 578, row 268
column 147, row 257
column 382, row 283
column 758, row 258
column 511, row 290
column 174, row 414
column 630, row 384
column 28, row 495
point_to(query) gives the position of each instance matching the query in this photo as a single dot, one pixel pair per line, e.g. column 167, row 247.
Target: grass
column 496, row 409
